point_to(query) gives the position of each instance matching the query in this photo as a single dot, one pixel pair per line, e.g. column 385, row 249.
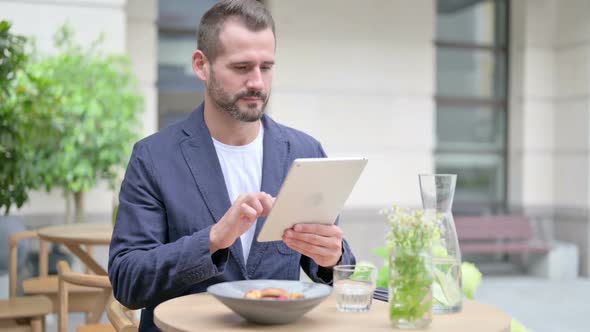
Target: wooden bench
column 498, row 234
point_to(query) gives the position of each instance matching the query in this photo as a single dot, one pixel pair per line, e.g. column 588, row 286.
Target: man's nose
column 255, row 81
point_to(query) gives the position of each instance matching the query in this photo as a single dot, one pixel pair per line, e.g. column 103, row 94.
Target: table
column 202, row 312
column 74, row 236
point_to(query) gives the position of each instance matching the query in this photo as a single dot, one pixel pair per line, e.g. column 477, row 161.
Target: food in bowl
column 273, row 293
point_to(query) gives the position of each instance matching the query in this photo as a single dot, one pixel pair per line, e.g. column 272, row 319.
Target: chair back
column 66, row 278
column 13, row 260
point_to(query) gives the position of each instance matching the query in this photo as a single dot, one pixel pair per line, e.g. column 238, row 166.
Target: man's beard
column 228, row 104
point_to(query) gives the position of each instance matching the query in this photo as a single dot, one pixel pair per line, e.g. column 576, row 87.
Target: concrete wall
column 360, row 78
column 128, row 27
column 549, row 116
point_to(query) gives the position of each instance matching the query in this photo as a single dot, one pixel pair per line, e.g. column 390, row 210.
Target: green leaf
column 439, row 251
column 382, row 252
column 471, row 279
column 362, row 271
column 445, row 289
column 383, row 275
column 516, row 326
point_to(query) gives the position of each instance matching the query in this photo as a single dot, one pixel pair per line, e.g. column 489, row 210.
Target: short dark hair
column 251, row 13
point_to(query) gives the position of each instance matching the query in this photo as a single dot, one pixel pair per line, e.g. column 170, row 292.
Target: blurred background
column 496, row 91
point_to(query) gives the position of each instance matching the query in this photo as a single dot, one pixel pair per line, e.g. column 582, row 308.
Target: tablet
column 314, row 191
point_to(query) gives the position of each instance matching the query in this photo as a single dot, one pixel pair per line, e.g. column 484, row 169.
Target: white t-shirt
column 242, row 171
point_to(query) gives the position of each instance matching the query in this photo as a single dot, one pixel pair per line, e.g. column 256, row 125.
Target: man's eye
column 266, row 68
column 241, row 68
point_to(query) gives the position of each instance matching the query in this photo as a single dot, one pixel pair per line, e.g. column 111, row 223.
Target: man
column 195, row 194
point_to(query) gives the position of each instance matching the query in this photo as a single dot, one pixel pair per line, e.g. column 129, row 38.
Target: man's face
column 240, row 77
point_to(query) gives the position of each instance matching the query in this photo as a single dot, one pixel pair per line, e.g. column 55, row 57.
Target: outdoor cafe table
column 202, row 312
column 74, row 236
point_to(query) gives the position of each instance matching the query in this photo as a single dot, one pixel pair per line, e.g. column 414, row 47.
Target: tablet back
column 314, row 191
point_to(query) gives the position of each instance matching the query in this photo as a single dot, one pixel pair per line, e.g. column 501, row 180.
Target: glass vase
column 410, row 287
column 437, row 191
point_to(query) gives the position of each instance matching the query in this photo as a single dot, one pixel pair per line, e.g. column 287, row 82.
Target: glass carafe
column 437, row 191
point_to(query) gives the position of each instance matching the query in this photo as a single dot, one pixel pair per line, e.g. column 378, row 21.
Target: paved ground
column 541, row 305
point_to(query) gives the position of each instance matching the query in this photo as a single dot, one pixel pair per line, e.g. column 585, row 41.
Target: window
column 471, row 101
column 179, row 90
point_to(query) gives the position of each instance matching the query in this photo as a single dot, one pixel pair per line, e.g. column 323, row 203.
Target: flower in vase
column 412, row 228
column 409, row 242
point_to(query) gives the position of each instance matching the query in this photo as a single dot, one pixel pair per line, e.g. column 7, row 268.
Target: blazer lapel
column 275, row 163
column 200, row 155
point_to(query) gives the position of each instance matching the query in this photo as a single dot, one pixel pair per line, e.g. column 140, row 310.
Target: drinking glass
column 354, row 286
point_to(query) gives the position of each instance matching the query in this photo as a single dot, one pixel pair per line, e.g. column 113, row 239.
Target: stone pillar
column 572, row 126
column 549, row 140
column 89, row 18
column 531, row 109
column 142, row 44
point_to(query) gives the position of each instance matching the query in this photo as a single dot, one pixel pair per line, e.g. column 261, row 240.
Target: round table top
column 202, row 312
column 85, row 233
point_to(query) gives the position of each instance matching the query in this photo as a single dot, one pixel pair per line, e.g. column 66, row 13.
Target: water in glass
column 446, row 289
column 353, row 296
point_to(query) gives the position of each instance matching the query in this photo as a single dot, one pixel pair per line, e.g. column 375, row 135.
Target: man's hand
column 240, row 216
column 322, row 243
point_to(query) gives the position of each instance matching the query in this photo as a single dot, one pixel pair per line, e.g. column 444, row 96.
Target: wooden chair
column 119, row 316
column 23, row 313
column 82, row 299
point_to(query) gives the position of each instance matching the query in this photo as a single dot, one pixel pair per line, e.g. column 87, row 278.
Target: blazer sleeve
column 144, row 269
column 322, row 274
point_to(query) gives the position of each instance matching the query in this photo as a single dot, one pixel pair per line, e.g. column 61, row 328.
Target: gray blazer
column 173, row 192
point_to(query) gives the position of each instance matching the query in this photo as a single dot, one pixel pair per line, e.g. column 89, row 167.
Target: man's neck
column 228, row 130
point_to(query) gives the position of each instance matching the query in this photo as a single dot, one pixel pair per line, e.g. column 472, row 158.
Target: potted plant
column 98, row 118
column 66, row 120
column 14, row 181
column 27, row 111
column 26, row 121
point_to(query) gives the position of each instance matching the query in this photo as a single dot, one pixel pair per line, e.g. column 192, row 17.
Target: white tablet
column 314, row 191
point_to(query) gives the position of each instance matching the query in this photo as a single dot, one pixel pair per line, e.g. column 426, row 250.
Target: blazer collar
column 195, row 126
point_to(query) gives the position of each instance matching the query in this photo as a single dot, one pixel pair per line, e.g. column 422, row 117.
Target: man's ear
column 201, row 65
